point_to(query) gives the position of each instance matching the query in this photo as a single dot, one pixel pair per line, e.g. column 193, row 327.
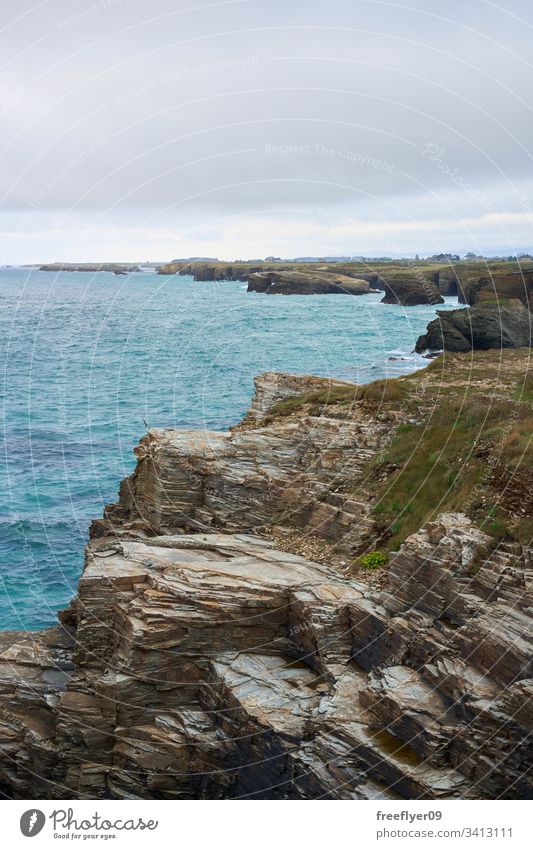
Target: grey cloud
column 115, row 108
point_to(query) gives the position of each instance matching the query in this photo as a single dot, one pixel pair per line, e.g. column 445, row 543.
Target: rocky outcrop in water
column 406, row 283
column 503, row 325
column 498, row 286
column 410, row 292
column 449, row 282
column 306, row 283
column 200, row 661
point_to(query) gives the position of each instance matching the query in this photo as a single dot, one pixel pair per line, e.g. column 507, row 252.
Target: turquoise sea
column 88, row 359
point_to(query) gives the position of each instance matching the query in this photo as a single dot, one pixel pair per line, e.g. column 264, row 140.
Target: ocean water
column 89, row 360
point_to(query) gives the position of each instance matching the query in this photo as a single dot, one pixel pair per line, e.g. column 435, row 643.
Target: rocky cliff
column 506, row 324
column 207, row 271
column 404, row 282
column 226, row 640
column 306, row 283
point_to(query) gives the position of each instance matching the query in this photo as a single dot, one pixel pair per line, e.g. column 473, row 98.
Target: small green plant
column 405, row 428
column 373, row 559
column 452, row 478
column 498, row 529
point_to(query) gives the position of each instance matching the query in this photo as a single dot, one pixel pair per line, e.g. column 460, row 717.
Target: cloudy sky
column 147, row 131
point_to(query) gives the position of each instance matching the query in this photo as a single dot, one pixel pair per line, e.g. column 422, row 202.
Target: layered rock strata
column 289, row 471
column 211, row 664
column 214, row 666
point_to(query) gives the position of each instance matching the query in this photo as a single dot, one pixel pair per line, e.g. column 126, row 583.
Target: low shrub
column 373, row 559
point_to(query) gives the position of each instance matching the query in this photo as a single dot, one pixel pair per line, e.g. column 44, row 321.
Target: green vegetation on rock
column 373, row 559
column 377, row 392
column 470, row 450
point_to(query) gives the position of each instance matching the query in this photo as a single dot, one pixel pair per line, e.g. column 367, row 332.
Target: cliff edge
column 228, row 641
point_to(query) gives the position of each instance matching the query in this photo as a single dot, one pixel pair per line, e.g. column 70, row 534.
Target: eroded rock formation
column 495, row 285
column 208, row 271
column 497, row 325
column 284, row 472
column 411, row 291
column 306, row 283
column 198, row 661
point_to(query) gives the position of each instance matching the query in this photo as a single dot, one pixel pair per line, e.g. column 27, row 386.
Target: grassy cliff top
column 463, row 442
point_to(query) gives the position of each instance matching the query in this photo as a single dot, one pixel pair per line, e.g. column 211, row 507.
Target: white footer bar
column 268, row 824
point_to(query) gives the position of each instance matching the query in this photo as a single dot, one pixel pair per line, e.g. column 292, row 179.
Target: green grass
column 524, row 390
column 443, row 466
column 380, row 391
column 328, row 395
column 473, row 436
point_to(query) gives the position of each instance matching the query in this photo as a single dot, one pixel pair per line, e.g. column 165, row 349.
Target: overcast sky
column 134, row 130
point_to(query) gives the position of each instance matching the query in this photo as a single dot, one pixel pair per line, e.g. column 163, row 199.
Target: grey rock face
column 213, row 665
column 283, row 472
column 411, row 292
column 506, row 325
